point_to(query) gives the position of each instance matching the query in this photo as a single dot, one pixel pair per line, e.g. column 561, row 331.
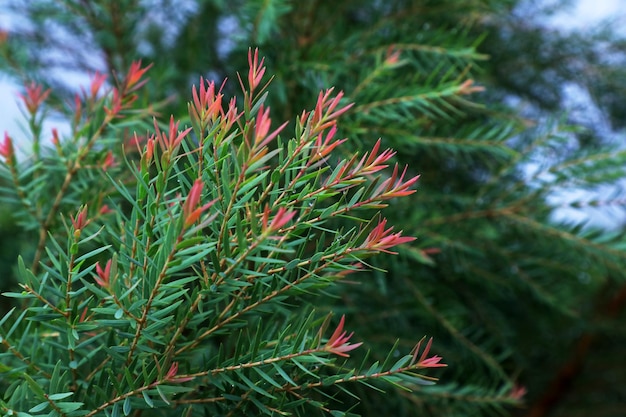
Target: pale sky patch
column 584, row 14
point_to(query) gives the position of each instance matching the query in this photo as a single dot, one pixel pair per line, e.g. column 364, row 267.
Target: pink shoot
column 103, row 276
column 339, row 342
column 191, row 211
column 6, row 148
column 34, row 97
column 381, row 239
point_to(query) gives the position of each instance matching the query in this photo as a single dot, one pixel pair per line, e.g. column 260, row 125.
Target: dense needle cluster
column 178, row 286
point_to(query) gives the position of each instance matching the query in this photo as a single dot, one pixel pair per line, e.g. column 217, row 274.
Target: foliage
column 199, row 305
column 506, row 289
column 551, row 70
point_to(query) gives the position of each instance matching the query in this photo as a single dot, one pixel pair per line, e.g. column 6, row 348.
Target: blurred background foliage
column 514, row 296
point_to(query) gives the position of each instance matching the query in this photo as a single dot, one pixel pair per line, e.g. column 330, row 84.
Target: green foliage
column 506, row 289
column 200, row 304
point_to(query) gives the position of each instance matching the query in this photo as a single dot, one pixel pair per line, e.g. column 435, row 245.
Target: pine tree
column 505, row 290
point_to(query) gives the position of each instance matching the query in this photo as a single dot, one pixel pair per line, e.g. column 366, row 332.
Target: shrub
column 185, row 278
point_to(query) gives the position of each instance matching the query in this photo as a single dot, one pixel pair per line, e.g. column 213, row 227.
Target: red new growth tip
column 262, row 137
column 231, row 114
column 396, row 186
column 373, row 162
column 191, row 211
column 262, row 125
column 256, row 71
column 78, row 109
column 468, row 87
column 55, row 137
column 105, row 209
column 135, row 72
column 116, row 104
column 326, row 110
column 109, row 161
column 392, row 57
column 323, row 147
column 338, row 342
column 517, row 392
column 96, row 83
column 34, row 97
column 6, row 147
column 172, row 139
column 103, row 275
column 80, row 220
column 149, row 152
column 207, row 104
column 424, row 362
column 381, row 239
column 281, row 218
column 171, row 375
